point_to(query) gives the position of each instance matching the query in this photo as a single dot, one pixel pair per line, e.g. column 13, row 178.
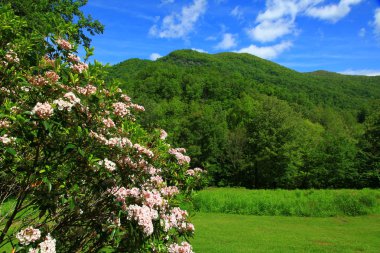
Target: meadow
column 236, row 220
column 232, row 233
column 304, row 203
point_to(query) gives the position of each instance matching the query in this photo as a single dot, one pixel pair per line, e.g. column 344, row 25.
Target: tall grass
column 309, row 203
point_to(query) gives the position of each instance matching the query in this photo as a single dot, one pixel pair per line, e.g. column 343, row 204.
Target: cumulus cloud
column 270, row 30
column 227, row 42
column 154, row 56
column 361, row 72
column 279, row 17
column 179, row 25
column 267, row 52
column 332, row 12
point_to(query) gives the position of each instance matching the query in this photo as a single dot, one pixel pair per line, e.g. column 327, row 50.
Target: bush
column 84, row 175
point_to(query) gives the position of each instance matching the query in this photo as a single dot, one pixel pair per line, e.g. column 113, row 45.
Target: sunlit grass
column 231, row 233
column 309, row 203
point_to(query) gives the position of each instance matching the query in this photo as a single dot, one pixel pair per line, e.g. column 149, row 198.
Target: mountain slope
column 255, row 123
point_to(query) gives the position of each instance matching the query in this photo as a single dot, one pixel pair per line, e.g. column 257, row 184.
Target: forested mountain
column 253, row 123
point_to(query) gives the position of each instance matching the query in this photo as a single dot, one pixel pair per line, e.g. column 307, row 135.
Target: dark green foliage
column 48, row 17
column 256, row 124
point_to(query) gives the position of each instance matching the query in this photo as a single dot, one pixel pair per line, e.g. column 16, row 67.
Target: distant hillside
column 288, row 129
column 320, row 87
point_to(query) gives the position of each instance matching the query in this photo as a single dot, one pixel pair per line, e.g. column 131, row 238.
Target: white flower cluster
column 109, row 165
column 11, row 56
column 179, row 154
column 7, row 140
column 144, row 217
column 28, row 235
column 185, row 247
column 112, row 142
column 67, row 105
column 43, row 110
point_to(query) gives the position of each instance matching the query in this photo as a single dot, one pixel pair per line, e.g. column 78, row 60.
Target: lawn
column 232, row 233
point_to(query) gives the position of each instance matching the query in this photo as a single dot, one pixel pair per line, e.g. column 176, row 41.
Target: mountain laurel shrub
column 80, row 173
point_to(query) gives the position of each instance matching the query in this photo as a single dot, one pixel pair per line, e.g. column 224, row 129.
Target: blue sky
column 305, row 35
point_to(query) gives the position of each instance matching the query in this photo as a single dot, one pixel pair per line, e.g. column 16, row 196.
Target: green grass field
column 303, row 203
column 231, row 233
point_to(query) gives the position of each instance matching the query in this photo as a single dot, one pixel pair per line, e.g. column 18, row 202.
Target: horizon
column 341, row 36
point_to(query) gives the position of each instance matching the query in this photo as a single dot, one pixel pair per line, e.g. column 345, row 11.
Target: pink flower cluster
column 43, row 110
column 185, row 247
column 28, row 235
column 152, row 198
column 48, row 61
column 195, row 171
column 112, row 142
column 38, row 80
column 169, row 191
column 79, row 67
column 48, row 245
column 144, row 217
column 156, row 180
column 109, row 165
column 119, row 142
column 4, row 123
column 177, row 219
column 87, row 90
column 108, row 123
column 67, row 105
column 121, row 193
column 178, row 153
column 142, row 150
column 163, row 134
column 11, row 57
column 126, row 98
column 7, row 140
column 137, row 107
column 64, row 44
column 73, row 58
column 120, row 109
column 52, row 76
column 72, row 98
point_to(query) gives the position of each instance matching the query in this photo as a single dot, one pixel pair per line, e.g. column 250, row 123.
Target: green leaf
column 68, row 147
column 11, row 151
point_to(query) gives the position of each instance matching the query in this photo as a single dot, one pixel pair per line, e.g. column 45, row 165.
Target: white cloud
column 228, row 42
column 179, row 25
column 362, row 32
column 376, row 22
column 332, row 12
column 199, row 50
column 237, row 13
column 267, row 52
column 279, row 17
column 155, row 56
column 362, row 72
column 269, row 30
